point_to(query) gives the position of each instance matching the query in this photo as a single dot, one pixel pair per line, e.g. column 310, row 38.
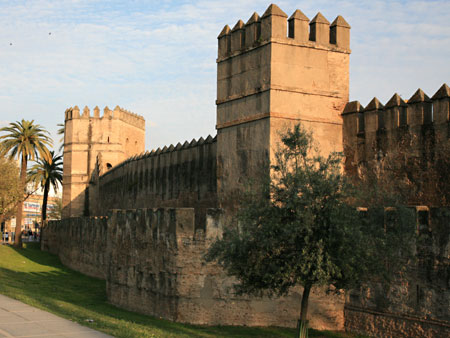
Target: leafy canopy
column 11, row 190
column 47, row 172
column 302, row 226
column 25, row 139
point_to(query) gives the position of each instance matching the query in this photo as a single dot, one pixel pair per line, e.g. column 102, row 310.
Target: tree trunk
column 302, row 323
column 305, row 300
column 44, row 203
column 19, row 213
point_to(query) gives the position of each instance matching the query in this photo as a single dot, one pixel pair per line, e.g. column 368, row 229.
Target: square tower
column 95, row 142
column 274, row 72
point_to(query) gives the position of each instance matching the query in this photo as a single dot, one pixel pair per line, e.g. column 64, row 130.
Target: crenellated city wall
column 175, row 176
column 413, row 131
column 378, row 129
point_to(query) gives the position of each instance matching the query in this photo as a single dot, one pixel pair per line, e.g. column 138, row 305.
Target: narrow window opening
column 402, row 117
column 380, row 120
column 108, row 139
column 360, row 123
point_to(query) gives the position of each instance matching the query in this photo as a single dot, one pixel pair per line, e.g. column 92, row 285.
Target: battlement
column 172, row 148
column 118, row 113
column 419, row 126
column 420, row 109
column 272, row 27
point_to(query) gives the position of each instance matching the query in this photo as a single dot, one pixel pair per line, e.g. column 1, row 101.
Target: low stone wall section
column 80, row 243
column 152, row 260
column 417, row 302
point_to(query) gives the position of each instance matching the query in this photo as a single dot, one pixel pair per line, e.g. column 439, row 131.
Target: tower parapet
column 270, row 77
column 273, row 25
column 118, row 113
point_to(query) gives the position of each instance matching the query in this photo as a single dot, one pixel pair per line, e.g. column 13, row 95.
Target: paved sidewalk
column 20, row 320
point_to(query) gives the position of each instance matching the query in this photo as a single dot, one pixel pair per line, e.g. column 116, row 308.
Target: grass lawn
column 39, row 279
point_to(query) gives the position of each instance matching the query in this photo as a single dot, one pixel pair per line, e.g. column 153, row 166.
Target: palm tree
column 61, row 131
column 24, row 140
column 47, row 173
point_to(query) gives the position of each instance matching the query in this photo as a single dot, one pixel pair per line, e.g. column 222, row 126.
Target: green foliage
column 61, row 131
column 39, row 279
column 47, row 172
column 10, row 189
column 303, row 227
column 25, row 140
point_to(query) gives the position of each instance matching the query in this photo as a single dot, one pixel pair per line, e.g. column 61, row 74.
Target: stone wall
column 80, row 243
column 378, row 129
column 176, row 176
column 152, row 260
column 417, row 303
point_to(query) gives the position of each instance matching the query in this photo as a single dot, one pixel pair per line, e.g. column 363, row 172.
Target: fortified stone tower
column 94, row 141
column 273, row 72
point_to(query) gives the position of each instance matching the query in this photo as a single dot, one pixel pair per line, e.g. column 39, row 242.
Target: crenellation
column 319, row 30
column 340, row 33
column 86, row 112
column 421, row 121
column 419, row 96
column 252, row 30
column 237, row 37
column 443, row 92
column 273, row 24
column 75, row 112
column 224, row 40
column 395, row 114
column 68, row 114
column 118, row 114
column 107, row 113
column 96, row 112
column 298, row 25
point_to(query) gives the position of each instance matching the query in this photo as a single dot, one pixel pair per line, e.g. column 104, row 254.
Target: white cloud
column 158, row 58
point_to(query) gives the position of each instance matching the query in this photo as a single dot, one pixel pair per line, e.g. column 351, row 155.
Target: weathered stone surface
column 152, row 260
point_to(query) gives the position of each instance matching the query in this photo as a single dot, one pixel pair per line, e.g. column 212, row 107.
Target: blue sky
column 157, row 58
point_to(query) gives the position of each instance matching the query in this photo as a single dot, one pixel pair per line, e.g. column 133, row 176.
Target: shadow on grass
column 78, row 297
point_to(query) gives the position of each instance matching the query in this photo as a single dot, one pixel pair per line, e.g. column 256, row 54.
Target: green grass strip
column 39, row 279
